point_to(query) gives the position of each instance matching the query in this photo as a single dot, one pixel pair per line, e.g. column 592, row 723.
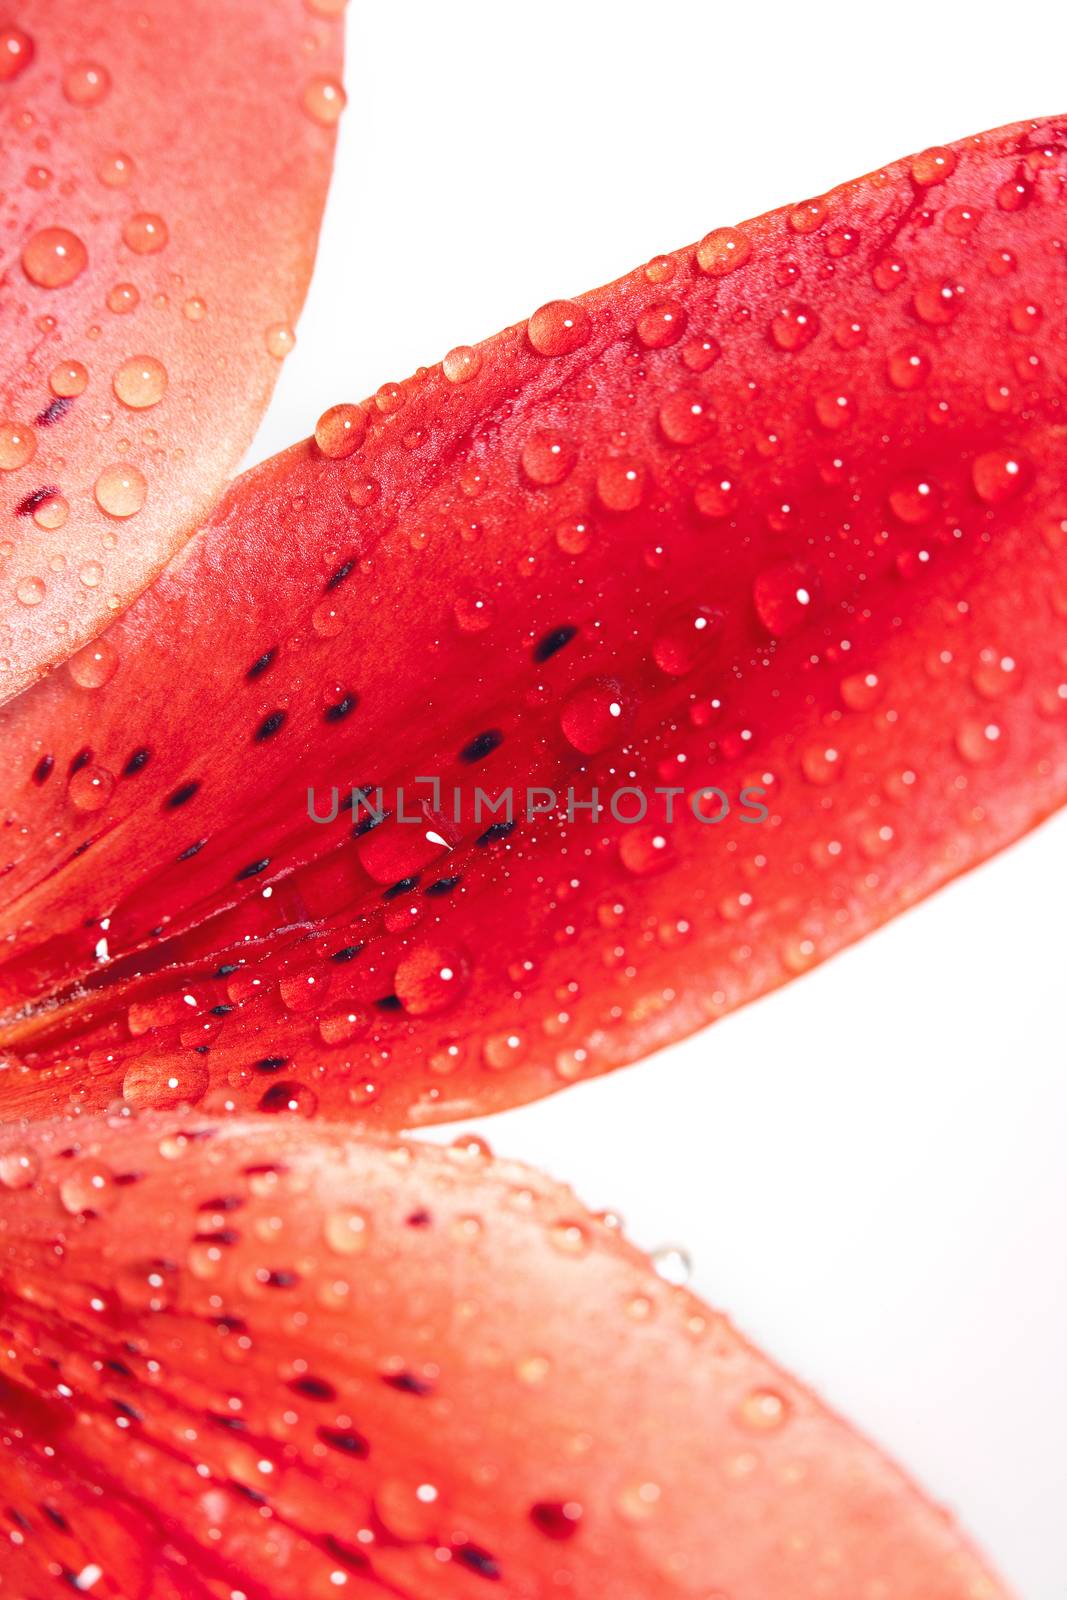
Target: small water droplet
column 722, row 251
column 340, row 431
column 120, row 490
column 94, row 665
column 86, row 83
column 90, row 787
column 145, row 233
column 461, row 364
column 429, row 979
column 18, row 445
column 558, row 328
column 140, row 382
column 323, row 99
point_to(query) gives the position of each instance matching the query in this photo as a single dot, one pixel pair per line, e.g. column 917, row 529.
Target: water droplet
column 279, row 340
column 150, row 1084
column 347, row 1232
column 120, row 490
column 429, row 979
column 861, row 691
column 937, row 301
column 574, row 538
column 194, row 309
column 908, row 368
column 644, row 849
column 569, row 1238
column 29, row 591
column 51, row 513
column 90, row 787
column 323, row 99
column 115, row 170
column 54, row 257
column 68, row 379
column 998, row 475
column 462, row 364
column 913, row 500
column 548, row 457
column 793, row 326
column 340, row 430
column 503, row 1050
column 680, row 645
column 123, row 299
column 594, row 715
column 994, row 674
column 933, row 165
column 16, row 53
column 783, row 597
column 821, row 763
column 978, row 742
column 558, row 328
column 140, row 382
column 763, row 1411
column 18, row 1168
column 18, row 445
column 661, row 325
column 94, row 665
column 145, row 233
column 638, row 1501
column 722, row 251
column 304, row 991
column 86, row 83
column 620, row 484
column 88, row 1189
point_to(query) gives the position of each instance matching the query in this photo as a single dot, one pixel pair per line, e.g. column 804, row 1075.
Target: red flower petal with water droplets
column 160, row 239
column 776, row 524
column 251, row 1359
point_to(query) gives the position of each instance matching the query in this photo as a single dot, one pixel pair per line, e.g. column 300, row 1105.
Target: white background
column 868, row 1168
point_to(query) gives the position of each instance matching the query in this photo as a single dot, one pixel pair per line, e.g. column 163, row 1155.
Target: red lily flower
column 743, row 576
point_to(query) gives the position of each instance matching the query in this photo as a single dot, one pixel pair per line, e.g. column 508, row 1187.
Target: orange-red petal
column 771, row 533
column 164, row 171
column 252, row 1360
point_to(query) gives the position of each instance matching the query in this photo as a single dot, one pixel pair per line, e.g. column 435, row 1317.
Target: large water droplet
column 54, row 257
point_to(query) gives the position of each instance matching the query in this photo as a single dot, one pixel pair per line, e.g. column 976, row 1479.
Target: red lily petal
column 781, row 514
column 148, row 300
column 250, row 1358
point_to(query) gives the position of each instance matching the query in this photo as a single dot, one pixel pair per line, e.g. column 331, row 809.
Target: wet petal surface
column 158, row 242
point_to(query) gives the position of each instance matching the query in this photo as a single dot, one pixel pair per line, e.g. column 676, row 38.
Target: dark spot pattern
column 551, row 643
column 253, row 869
column 270, row 726
column 339, row 576
column 347, row 952
column 182, row 795
column 444, row 885
column 137, row 762
column 53, row 411
column 498, row 830
column 402, row 886
column 482, row 745
column 477, row 1560
column 261, row 664
column 36, row 497
column 43, row 770
column 347, row 1440
column 343, row 708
